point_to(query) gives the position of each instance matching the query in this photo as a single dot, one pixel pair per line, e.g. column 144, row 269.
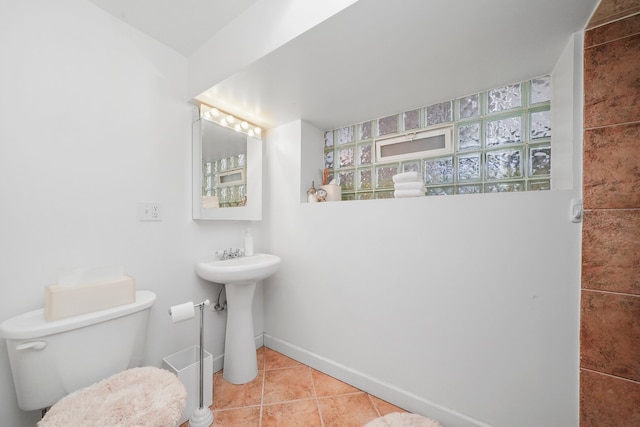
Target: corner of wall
column 567, row 117
column 283, row 146
column 578, row 109
column 310, row 158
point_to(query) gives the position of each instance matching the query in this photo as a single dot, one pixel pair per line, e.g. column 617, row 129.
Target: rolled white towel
column 406, row 177
column 408, row 193
column 414, row 185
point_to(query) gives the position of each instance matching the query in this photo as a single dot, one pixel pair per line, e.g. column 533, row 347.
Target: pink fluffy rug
column 402, row 419
column 137, row 397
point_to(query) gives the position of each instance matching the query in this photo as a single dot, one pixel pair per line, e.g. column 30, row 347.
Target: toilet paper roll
column 182, row 312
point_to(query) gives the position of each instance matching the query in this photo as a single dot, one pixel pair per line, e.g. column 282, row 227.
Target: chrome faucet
column 231, row 253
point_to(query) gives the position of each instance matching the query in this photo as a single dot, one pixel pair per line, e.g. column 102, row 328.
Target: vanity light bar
column 223, row 118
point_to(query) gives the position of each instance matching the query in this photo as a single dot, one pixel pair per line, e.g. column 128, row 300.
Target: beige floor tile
column 326, row 385
column 292, row 414
column 275, row 360
column 240, row 417
column 384, row 407
column 349, row 410
column 227, row 395
column 282, row 385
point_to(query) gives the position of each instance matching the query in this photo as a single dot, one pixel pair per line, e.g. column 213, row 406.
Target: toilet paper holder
column 201, row 305
column 202, row 416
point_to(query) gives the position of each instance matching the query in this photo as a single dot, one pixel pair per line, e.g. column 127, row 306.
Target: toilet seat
column 141, row 397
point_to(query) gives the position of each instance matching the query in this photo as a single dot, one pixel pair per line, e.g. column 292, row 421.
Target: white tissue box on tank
column 186, row 365
column 62, row 301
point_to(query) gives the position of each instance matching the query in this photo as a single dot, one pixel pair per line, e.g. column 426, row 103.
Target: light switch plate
column 575, row 215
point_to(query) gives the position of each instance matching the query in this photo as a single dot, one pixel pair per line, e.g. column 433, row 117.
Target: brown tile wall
column 610, row 299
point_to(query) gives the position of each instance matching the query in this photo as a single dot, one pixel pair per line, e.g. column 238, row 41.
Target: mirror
column 227, row 173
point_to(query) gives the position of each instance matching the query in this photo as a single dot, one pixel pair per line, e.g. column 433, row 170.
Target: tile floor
column 288, row 393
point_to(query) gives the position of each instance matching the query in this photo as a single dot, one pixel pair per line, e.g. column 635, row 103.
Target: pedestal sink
column 239, row 275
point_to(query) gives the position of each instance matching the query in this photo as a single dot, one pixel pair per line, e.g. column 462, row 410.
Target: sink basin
column 237, row 270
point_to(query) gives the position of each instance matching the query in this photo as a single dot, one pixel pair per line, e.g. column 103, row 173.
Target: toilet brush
column 202, row 416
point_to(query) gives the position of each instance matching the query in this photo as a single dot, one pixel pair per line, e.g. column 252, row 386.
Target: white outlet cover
column 149, row 211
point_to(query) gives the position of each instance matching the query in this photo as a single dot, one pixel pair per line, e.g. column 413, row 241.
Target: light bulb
column 223, row 121
column 214, row 112
column 230, row 118
column 245, row 125
column 257, row 130
column 237, row 127
column 250, row 132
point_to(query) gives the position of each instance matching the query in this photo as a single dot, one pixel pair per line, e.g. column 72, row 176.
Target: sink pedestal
column 240, row 361
column 239, row 276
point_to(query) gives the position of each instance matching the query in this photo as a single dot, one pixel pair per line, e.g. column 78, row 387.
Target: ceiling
column 374, row 58
column 183, row 25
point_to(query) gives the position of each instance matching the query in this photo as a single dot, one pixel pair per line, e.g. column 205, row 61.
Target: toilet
column 52, row 359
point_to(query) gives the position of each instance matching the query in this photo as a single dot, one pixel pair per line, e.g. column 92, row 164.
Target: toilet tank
column 51, row 359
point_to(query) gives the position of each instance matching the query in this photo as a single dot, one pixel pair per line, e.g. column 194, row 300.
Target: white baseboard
column 385, row 391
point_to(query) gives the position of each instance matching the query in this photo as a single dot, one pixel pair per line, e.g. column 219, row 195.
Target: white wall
column 235, row 46
column 93, row 119
column 464, row 308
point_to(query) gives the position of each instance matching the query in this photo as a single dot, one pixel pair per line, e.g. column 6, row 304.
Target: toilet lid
column 144, row 397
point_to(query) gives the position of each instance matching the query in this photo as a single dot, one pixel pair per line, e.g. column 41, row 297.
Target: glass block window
column 364, row 180
column 346, row 157
column 540, row 124
column 328, row 139
column 411, row 119
column 438, row 113
column 364, row 154
column 384, row 175
column 440, row 191
column 501, row 137
column 347, row 180
column 388, row 125
column 468, row 106
column 540, row 160
column 468, row 137
column 504, row 164
column 504, row 131
column 345, row 135
column 413, row 166
column 438, row 171
column 541, row 90
column 469, row 168
column 328, row 160
column 505, row 98
column 366, row 131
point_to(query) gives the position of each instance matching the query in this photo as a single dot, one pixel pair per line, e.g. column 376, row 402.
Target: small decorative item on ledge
column 328, row 192
column 311, row 193
column 332, row 192
column 321, row 194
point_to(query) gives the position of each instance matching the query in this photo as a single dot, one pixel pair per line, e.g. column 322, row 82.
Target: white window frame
column 231, row 177
column 446, row 131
